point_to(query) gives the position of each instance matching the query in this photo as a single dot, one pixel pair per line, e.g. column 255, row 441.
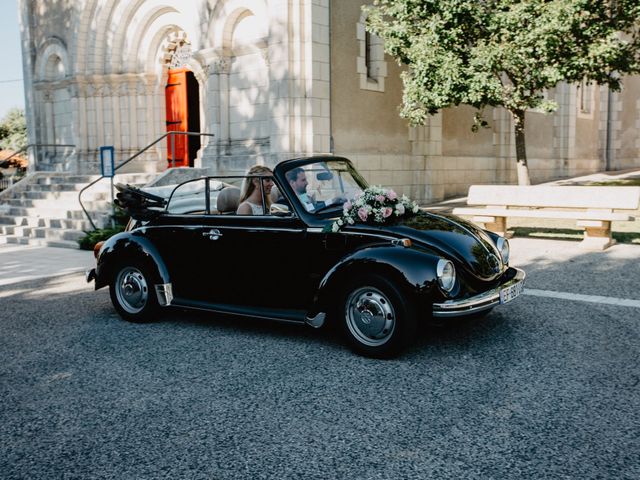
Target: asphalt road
column 542, row 388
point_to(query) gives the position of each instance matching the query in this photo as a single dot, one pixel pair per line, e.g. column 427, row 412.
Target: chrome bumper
column 478, row 303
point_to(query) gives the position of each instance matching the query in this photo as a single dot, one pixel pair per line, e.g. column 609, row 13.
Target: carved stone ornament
column 181, row 56
column 221, row 65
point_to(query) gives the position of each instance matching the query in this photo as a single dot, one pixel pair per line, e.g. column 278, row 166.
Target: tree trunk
column 521, row 149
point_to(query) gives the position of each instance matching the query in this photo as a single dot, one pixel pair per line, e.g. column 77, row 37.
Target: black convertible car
column 305, row 259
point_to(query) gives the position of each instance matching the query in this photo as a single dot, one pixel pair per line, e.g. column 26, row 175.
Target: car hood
column 459, row 240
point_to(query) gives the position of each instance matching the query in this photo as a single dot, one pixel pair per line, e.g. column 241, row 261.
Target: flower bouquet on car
column 375, row 205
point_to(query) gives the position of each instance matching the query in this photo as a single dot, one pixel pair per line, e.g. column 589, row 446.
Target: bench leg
column 597, row 235
column 499, row 226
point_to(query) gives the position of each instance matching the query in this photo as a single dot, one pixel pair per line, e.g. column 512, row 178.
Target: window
column 585, row 97
column 370, row 63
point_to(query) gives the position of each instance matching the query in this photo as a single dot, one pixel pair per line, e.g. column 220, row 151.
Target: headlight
column 446, row 273
column 503, row 246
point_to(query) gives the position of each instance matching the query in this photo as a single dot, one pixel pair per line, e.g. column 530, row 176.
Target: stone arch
column 82, row 38
column 225, row 16
column 52, row 61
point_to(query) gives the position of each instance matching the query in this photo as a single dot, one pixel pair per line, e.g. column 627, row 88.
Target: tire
column 132, row 293
column 377, row 319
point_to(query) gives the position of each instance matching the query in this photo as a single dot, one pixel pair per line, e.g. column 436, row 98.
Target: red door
column 177, row 118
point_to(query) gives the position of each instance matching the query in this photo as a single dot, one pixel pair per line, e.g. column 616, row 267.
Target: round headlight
column 446, row 273
column 503, row 246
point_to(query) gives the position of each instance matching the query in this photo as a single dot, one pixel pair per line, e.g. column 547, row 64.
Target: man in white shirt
column 298, row 180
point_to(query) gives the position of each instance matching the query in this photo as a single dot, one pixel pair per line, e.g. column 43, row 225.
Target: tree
column 13, row 130
column 504, row 53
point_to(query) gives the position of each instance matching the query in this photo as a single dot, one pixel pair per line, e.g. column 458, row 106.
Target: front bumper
column 478, row 303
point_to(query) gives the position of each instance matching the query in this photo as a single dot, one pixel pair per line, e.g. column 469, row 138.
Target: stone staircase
column 43, row 208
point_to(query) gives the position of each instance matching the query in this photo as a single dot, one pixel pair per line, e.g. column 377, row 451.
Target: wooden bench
column 592, row 207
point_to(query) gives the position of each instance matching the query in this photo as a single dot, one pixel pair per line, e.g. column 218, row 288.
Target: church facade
column 268, row 80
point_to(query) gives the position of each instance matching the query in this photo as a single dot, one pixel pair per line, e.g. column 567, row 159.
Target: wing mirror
column 279, row 210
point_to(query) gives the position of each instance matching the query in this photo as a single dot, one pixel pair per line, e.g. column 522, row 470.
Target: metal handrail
column 172, row 133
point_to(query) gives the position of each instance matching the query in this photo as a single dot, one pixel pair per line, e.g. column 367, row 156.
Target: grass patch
column 569, row 234
column 629, row 182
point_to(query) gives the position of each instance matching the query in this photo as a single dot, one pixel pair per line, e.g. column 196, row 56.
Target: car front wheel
column 132, row 294
column 377, row 319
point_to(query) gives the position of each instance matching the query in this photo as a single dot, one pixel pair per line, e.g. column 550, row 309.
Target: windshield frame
column 313, row 217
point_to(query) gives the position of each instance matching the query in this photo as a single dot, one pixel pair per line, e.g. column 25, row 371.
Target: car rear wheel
column 377, row 319
column 132, row 294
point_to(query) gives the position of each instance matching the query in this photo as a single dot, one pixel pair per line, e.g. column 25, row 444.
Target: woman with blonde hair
column 256, row 189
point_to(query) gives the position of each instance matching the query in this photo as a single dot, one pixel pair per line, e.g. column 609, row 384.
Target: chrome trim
column 164, row 291
column 440, row 271
column 317, row 321
column 384, row 237
column 314, row 230
column 500, row 243
column 478, row 303
column 228, row 227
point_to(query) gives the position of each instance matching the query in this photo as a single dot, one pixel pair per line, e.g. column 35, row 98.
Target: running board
column 277, row 314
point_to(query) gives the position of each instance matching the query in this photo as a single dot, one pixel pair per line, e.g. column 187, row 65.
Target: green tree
column 504, row 53
column 13, row 130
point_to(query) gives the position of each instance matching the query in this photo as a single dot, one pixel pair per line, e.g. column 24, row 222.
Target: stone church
column 274, row 79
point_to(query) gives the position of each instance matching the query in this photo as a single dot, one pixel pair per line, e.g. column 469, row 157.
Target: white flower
column 416, row 208
column 399, row 209
column 340, row 222
column 350, row 221
column 335, row 227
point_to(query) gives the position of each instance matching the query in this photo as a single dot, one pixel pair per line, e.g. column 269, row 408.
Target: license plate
column 509, row 293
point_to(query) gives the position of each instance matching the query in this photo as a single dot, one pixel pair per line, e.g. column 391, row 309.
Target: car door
column 260, row 261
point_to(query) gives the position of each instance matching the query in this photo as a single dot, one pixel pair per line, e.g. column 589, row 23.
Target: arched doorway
column 182, row 101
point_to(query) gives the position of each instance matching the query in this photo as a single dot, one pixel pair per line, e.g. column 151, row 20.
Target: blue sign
column 107, row 161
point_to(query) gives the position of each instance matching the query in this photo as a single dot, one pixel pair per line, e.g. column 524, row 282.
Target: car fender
column 413, row 270
column 127, row 247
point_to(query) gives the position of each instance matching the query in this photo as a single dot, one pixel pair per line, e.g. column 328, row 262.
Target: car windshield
column 324, row 186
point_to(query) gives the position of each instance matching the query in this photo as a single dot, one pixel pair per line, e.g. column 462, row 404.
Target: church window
column 370, row 64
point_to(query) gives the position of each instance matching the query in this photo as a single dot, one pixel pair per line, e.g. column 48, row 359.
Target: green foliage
column 504, row 52
column 91, row 238
column 13, row 130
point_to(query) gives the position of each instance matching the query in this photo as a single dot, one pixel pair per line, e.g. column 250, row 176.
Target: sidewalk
column 22, row 263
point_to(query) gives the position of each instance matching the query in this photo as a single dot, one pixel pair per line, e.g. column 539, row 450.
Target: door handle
column 213, row 234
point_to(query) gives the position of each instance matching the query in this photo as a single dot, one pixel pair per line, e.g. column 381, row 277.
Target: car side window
column 189, row 198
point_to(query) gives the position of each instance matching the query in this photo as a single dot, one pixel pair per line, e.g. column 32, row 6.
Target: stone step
column 59, row 204
column 61, row 195
column 67, row 179
column 47, row 222
column 54, row 213
column 55, row 234
column 40, row 242
column 83, row 180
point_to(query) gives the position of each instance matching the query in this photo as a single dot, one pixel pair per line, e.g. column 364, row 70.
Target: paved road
column 543, row 388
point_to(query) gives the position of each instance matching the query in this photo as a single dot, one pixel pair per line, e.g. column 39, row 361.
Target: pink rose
column 391, row 195
column 363, row 213
column 387, row 212
column 347, row 205
column 380, row 198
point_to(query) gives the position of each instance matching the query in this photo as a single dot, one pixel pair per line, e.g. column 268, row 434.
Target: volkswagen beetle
column 297, row 263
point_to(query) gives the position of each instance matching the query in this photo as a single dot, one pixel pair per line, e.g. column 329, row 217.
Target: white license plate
column 509, row 293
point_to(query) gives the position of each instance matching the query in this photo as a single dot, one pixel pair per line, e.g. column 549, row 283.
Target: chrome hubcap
column 370, row 316
column 131, row 290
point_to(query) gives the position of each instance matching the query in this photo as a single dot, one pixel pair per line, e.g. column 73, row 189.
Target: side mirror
column 279, row 210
